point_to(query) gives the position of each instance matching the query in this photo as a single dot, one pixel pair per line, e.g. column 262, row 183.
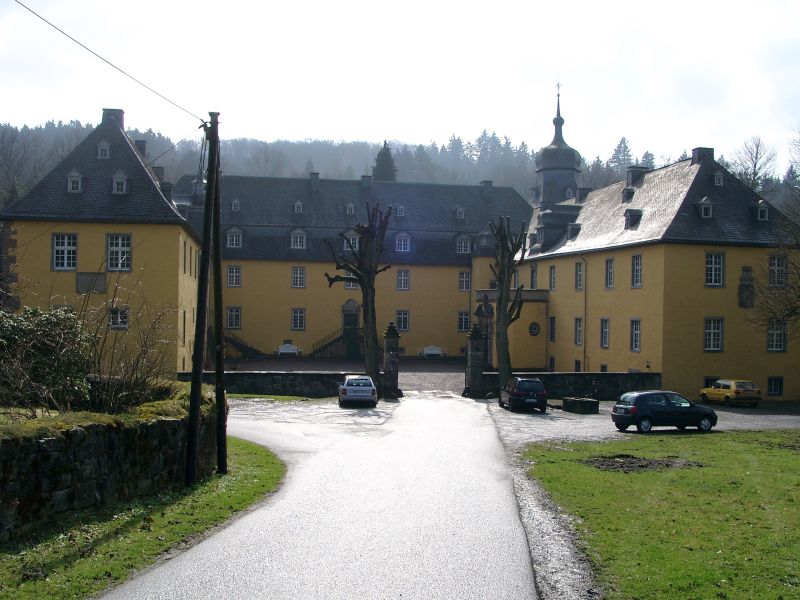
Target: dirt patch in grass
column 627, row 463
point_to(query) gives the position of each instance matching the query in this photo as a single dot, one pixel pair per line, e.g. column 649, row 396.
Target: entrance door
column 352, row 339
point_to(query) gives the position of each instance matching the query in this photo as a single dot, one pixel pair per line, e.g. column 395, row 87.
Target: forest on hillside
column 28, row 153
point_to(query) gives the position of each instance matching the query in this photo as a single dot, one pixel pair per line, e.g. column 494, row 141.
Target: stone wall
column 602, row 386
column 93, row 465
column 312, row 384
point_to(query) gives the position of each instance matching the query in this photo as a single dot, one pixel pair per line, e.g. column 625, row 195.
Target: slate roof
column 266, row 216
column 668, row 199
column 143, row 203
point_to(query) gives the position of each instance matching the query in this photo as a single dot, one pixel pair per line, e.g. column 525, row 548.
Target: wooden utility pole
column 199, row 352
column 219, row 340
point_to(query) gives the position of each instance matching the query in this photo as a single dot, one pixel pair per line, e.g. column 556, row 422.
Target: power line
column 109, row 63
column 171, row 148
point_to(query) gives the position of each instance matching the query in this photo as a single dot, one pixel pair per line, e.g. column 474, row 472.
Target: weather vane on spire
column 558, row 87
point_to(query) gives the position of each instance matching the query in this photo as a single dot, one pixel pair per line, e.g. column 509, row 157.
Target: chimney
column 114, row 115
column 635, row 174
column 701, row 155
column 159, row 173
column 366, row 181
column 486, row 189
column 314, row 178
column 141, row 148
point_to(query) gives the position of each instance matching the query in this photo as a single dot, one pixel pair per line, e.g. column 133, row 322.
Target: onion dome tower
column 557, row 168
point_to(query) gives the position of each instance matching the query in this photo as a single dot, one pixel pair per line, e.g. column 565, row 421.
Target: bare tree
column 360, row 263
column 754, row 162
column 509, row 253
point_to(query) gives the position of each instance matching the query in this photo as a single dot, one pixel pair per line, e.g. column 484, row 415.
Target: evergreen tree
column 384, row 169
column 621, row 159
column 648, row 160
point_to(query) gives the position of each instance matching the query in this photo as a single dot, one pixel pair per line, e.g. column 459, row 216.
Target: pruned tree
column 361, row 265
column 509, row 252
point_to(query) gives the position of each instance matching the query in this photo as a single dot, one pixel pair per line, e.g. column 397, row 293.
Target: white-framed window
column 234, row 317
column 119, row 252
column 609, row 273
column 235, row 206
column 712, row 335
column 552, row 277
column 403, row 279
column 579, row 275
column 234, row 276
column 350, row 208
column 402, row 320
column 463, row 320
column 74, row 182
column 65, row 251
column 350, row 285
column 350, row 241
column 763, row 213
column 402, row 243
column 705, row 211
column 298, row 277
column 233, row 239
column 775, row 386
column 715, row 269
column 604, row 332
column 718, row 181
column 401, row 211
column 636, row 335
column 551, row 329
column 776, row 335
column 103, row 151
column 297, row 240
column 462, row 246
column 298, row 208
column 534, row 277
column 777, row 271
column 119, row 183
column 118, row 318
column 578, row 331
column 636, row 271
column 464, row 281
column 298, row 319
column 459, row 213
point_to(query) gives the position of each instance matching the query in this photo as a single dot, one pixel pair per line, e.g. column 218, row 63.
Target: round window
column 533, row 328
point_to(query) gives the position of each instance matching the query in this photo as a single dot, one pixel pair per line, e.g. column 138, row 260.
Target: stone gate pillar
column 391, row 361
column 476, row 359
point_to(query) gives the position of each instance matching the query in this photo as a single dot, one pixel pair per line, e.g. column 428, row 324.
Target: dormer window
column 762, row 212
column 351, row 241
column 119, row 183
column 706, row 211
column 401, row 211
column 402, row 243
column 103, row 150
column 350, row 209
column 298, row 208
column 463, row 245
column 632, row 217
column 573, row 229
column 718, row 179
column 74, row 182
column 234, row 238
column 569, row 194
column 235, row 206
column 459, row 213
column 297, row 240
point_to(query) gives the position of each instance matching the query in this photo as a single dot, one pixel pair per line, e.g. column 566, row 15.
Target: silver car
column 358, row 388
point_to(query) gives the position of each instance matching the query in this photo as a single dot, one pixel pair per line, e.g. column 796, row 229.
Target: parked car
column 522, row 392
column 732, row 391
column 358, row 388
column 655, row 408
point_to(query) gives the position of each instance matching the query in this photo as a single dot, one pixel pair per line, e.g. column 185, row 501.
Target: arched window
column 297, row 240
column 298, row 208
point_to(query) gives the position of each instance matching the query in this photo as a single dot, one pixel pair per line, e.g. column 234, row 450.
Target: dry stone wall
column 94, row 465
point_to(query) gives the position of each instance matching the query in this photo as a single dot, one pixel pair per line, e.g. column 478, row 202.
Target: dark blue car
column 655, row 408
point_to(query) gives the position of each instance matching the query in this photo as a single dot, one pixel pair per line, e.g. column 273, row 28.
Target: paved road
column 410, row 500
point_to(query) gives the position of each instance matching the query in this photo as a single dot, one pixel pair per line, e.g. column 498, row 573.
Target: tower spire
column 558, row 139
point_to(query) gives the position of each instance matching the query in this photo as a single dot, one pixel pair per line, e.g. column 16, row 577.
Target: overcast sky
column 668, row 76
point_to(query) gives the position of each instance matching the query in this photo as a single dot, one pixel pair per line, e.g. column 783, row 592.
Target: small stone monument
column 391, row 361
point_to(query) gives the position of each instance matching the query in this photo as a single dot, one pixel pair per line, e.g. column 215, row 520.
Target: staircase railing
column 332, row 337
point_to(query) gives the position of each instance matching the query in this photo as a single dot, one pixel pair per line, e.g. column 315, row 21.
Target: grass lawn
column 84, row 552
column 718, row 516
